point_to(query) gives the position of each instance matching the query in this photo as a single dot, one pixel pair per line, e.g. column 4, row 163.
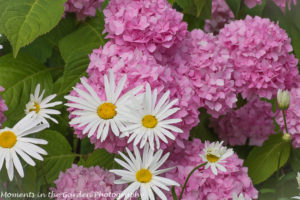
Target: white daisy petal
column 159, row 192
column 101, row 115
column 39, row 108
column 17, row 164
column 215, row 154
column 153, row 118
column 120, row 87
column 91, row 91
column 37, row 90
column 138, row 171
column 129, row 190
column 25, row 157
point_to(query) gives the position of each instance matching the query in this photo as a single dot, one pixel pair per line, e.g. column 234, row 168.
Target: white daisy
column 152, row 120
column 40, row 108
column 142, row 173
column 215, row 154
column 100, row 115
column 240, row 197
column 13, row 143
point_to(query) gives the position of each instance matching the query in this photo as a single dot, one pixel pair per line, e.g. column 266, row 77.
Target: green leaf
column 195, row 12
column 234, row 5
column 188, row 6
column 193, row 22
column 198, row 8
column 59, row 158
column 202, row 130
column 19, row 77
column 29, row 182
column 99, row 157
column 23, row 21
column 42, row 47
column 171, row 1
column 263, row 161
column 255, row 11
column 287, row 22
column 75, row 48
column 295, row 159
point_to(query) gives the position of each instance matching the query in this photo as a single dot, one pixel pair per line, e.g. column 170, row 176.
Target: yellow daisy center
column 107, row 111
column 143, row 176
column 36, row 109
column 7, row 139
column 149, row 121
column 212, row 158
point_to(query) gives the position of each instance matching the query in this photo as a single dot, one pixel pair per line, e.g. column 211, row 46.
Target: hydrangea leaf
column 75, row 48
column 234, row 5
column 23, row 21
column 99, row 157
column 19, row 76
column 263, row 161
column 195, row 11
column 42, row 47
column 59, row 158
column 198, row 8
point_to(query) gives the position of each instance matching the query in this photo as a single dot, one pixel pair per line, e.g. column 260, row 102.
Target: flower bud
column 283, row 99
column 298, row 179
column 287, row 137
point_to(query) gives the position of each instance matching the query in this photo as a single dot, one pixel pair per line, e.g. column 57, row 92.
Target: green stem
column 284, row 119
column 187, row 179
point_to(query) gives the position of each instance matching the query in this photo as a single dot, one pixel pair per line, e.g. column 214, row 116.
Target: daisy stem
column 188, row 177
column 284, row 119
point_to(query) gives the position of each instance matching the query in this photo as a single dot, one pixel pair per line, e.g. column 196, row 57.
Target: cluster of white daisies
column 141, row 116
column 15, row 141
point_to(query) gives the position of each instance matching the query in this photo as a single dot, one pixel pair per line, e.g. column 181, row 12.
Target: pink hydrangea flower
column 292, row 117
column 282, row 3
column 148, row 23
column 200, row 60
column 253, row 121
column 3, row 108
column 86, row 181
column 203, row 184
column 260, row 54
column 252, row 3
column 220, row 15
column 83, row 8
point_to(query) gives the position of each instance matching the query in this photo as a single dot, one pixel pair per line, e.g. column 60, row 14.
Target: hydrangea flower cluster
column 292, row 117
column 202, row 184
column 220, row 15
column 83, row 8
column 201, row 60
column 142, row 64
column 253, row 121
column 152, row 24
column 259, row 52
column 79, row 179
column 3, row 108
